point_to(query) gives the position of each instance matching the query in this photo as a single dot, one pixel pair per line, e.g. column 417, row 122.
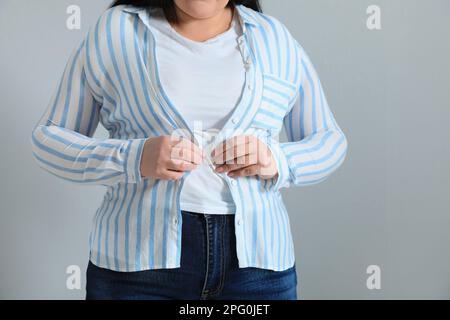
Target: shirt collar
column 245, row 14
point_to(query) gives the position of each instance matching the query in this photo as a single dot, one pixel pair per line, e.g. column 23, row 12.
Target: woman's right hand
column 168, row 158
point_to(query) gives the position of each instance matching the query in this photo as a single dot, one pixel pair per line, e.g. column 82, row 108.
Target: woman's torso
column 138, row 226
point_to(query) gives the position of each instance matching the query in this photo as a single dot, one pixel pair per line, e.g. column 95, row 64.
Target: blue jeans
column 209, row 270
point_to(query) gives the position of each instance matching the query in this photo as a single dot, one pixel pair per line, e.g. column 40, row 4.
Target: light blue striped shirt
column 112, row 78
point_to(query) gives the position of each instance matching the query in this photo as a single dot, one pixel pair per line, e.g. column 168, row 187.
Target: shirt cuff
column 283, row 180
column 133, row 160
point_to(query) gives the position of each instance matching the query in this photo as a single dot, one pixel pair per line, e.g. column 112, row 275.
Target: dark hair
column 168, row 4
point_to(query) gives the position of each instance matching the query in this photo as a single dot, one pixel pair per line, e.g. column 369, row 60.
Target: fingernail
column 219, row 169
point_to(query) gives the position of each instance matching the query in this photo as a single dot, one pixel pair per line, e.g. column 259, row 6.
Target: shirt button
column 234, row 121
column 175, row 221
column 250, row 87
column 239, row 221
column 233, row 182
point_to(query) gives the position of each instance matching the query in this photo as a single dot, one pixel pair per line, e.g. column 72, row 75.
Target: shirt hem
column 207, row 210
column 175, row 265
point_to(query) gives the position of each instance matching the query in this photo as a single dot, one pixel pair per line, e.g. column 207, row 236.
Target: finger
column 171, row 175
column 174, row 140
column 233, row 148
column 185, row 144
column 245, row 172
column 229, row 145
column 229, row 167
column 264, row 154
column 180, row 165
column 247, row 159
column 240, row 162
column 186, row 154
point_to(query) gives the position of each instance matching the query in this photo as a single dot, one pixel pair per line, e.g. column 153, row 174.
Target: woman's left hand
column 244, row 156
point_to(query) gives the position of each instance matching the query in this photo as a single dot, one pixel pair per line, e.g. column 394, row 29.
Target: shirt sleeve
column 62, row 141
column 316, row 145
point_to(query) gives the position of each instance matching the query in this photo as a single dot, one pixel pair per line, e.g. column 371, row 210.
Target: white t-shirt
column 204, row 82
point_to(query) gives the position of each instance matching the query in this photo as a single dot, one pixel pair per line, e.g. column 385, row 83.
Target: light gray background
column 388, row 204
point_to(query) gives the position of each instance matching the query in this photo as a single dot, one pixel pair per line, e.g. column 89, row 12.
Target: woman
column 194, row 95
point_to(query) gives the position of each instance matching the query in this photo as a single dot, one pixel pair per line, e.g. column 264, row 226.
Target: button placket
column 236, row 116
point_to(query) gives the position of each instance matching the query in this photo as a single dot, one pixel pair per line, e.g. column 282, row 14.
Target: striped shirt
column 112, row 78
